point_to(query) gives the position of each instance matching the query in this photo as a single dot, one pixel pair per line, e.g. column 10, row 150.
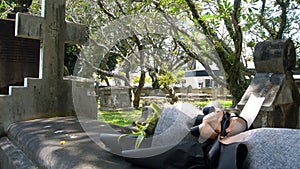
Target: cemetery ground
column 127, row 118
column 39, row 127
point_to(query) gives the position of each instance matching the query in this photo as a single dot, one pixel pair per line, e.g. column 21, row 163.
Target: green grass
column 126, row 118
column 224, row 103
column 121, row 118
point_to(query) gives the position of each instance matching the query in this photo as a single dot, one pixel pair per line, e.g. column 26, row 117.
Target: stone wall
column 39, row 99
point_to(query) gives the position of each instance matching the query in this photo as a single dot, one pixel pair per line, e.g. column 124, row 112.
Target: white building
column 199, row 78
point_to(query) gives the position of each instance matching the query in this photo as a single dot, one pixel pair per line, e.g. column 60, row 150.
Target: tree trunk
column 138, row 90
column 106, row 81
column 172, row 93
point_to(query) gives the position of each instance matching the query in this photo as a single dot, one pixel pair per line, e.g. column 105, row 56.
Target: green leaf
column 141, row 127
column 139, row 141
column 155, row 107
column 172, row 9
column 123, row 135
column 250, row 10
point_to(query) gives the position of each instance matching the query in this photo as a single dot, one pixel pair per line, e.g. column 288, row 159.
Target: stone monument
column 50, row 95
column 56, row 138
column 115, row 98
column 274, row 61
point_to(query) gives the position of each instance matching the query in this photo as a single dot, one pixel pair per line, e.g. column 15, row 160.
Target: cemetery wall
column 216, row 93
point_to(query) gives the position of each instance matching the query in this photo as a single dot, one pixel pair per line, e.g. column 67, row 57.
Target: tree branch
column 238, row 38
column 206, row 29
column 103, row 72
column 262, row 20
column 203, row 62
column 283, row 7
column 227, row 21
column 103, row 9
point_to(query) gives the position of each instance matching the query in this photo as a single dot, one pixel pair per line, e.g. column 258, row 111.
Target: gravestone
column 19, row 57
column 54, row 32
column 115, row 98
column 174, row 125
column 270, row 148
column 50, row 95
column 274, row 61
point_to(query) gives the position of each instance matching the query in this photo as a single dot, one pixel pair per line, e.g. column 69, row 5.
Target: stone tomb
column 49, row 95
column 56, row 143
column 19, row 57
column 274, row 61
column 46, row 142
column 115, row 98
column 50, row 142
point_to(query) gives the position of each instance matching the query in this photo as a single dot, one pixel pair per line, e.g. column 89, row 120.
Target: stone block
column 274, row 56
column 40, row 100
column 174, row 125
column 115, row 98
column 273, row 148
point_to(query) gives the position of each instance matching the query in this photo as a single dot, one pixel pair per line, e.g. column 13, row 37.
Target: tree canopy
column 165, row 34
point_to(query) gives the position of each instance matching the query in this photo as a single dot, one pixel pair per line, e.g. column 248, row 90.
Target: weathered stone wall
column 41, row 99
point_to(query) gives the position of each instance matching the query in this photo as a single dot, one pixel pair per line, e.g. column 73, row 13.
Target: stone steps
column 15, row 89
column 39, row 99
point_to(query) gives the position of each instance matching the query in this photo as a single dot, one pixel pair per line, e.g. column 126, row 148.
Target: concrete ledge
column 41, row 140
column 12, row 157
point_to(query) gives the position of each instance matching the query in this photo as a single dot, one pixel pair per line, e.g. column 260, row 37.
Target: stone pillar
column 274, row 61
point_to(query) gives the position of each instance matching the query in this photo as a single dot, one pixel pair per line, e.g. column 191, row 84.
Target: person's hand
column 236, row 126
column 210, row 126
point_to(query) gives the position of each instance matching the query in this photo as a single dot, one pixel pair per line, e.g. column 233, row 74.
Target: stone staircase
column 39, row 99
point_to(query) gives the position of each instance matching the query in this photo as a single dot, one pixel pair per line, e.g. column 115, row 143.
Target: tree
column 137, row 51
column 231, row 27
column 6, row 7
column 226, row 24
